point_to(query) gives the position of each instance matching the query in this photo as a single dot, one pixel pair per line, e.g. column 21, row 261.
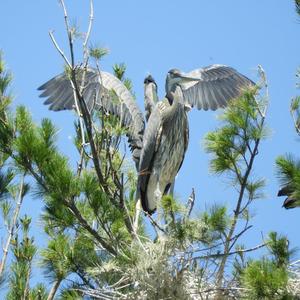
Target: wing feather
column 216, row 86
column 101, row 89
column 150, row 142
column 212, row 98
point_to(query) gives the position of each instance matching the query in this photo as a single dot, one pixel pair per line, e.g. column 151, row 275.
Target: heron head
column 149, row 79
column 173, row 79
column 176, row 77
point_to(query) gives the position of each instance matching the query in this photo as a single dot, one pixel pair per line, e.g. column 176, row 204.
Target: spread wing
column 216, row 86
column 101, row 89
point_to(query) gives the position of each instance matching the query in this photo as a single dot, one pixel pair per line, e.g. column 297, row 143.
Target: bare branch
column 218, row 255
column 190, row 204
column 86, row 54
column 53, row 290
column 59, row 49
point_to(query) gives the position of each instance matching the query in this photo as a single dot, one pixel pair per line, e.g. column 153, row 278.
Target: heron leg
column 172, row 187
column 159, row 220
column 138, row 208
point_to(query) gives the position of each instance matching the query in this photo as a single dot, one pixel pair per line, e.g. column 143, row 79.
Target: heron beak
column 189, row 78
column 187, row 107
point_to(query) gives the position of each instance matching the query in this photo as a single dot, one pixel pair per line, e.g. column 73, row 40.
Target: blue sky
column 153, row 37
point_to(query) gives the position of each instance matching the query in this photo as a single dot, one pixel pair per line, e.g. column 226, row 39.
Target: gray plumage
column 159, row 151
column 166, row 136
column 101, row 89
column 164, row 146
column 150, row 98
column 208, row 88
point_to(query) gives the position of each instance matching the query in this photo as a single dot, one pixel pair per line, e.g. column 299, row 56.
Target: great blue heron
column 164, row 145
column 166, row 136
column 159, row 151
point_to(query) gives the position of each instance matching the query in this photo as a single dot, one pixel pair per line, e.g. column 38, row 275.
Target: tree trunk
column 54, row 289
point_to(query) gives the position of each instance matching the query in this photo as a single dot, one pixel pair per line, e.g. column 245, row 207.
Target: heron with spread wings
column 158, row 149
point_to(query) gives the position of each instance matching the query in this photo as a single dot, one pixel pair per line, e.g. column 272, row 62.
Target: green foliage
column 89, row 210
column 39, row 292
column 169, row 206
column 264, row 280
column 295, row 103
column 119, row 71
column 297, row 6
column 268, row 277
column 5, row 80
column 24, row 251
column 36, row 152
column 279, row 248
column 288, row 171
column 69, row 294
column 98, row 52
column 55, row 258
column 6, row 178
column 230, row 144
column 217, row 220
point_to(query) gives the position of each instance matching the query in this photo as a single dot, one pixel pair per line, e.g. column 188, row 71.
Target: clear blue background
column 155, row 36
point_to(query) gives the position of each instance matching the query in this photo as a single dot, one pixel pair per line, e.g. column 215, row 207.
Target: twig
column 218, row 255
column 237, row 210
column 92, row 231
column 190, row 204
column 263, row 76
column 239, row 234
column 59, row 50
column 88, row 32
column 154, row 223
column 69, row 32
column 26, row 288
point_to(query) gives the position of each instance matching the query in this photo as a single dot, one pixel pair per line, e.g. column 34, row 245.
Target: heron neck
column 150, row 99
column 174, row 108
column 170, row 87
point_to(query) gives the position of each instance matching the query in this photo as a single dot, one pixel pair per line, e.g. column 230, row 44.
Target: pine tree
column 93, row 250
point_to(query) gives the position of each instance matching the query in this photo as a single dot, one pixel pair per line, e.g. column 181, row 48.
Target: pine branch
column 218, row 255
column 12, row 226
column 243, row 181
column 237, row 210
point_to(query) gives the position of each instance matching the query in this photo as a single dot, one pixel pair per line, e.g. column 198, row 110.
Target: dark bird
column 291, row 201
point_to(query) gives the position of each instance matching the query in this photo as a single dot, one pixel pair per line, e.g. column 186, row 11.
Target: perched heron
column 159, row 150
column 166, row 136
column 164, row 145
